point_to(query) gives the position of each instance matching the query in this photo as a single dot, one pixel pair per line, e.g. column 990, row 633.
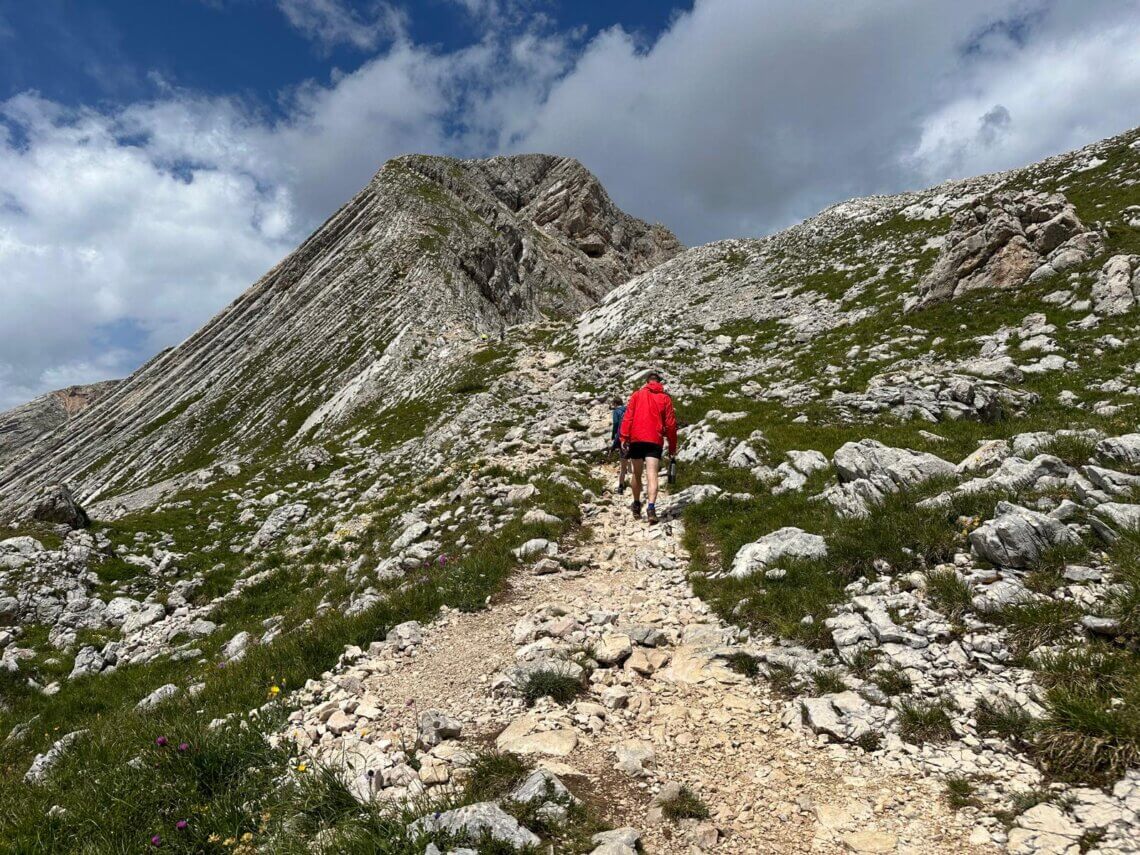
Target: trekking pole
column 671, row 477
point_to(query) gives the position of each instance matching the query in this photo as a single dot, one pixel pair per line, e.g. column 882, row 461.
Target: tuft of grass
column 1022, row 801
column 744, row 663
column 961, row 793
column 828, row 682
column 1035, row 624
column 493, row 775
column 321, row 799
column 893, row 681
column 870, row 741
column 550, row 683
column 949, row 593
column 1004, row 718
column 687, row 805
column 782, row 679
column 1076, row 450
column 1091, row 730
column 922, row 722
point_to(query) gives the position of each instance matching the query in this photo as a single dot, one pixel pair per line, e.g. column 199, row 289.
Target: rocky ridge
column 23, row 425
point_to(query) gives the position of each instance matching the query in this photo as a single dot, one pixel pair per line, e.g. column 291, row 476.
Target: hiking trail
column 668, row 711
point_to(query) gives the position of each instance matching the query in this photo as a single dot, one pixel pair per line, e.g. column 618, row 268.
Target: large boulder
column 868, row 471
column 1124, row 450
column 1016, row 474
column 278, row 523
column 787, row 542
column 1002, row 241
column 1017, row 536
column 57, row 505
column 874, row 461
column 476, row 820
column 1117, row 285
column 702, row 443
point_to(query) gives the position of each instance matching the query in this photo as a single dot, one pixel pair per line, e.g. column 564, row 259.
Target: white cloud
column 122, row 230
column 107, row 255
column 333, row 22
column 744, row 117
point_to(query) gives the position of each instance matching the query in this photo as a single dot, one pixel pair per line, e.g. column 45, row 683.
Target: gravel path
column 689, row 720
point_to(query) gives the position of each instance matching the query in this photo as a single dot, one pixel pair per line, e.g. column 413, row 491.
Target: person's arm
column 671, row 426
column 627, row 420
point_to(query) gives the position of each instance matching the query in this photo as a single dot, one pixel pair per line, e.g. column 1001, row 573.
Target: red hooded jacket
column 649, row 417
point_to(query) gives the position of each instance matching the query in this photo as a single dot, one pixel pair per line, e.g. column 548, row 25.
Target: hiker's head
column 615, row 402
column 654, row 377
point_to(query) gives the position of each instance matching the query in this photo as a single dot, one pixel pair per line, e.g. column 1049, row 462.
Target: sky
column 158, row 156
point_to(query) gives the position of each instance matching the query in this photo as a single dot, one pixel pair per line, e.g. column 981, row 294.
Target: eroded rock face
column 1002, row 241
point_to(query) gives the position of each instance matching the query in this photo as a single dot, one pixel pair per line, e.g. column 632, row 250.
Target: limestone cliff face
column 23, row 425
column 434, row 256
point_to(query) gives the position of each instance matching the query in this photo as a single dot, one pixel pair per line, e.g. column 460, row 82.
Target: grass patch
column 1091, row 730
column 685, row 805
column 921, row 722
column 1003, row 718
column 550, row 683
column 1035, row 624
column 892, row 681
column 743, row 663
column 828, row 683
column 493, row 775
column 961, row 793
column 949, row 593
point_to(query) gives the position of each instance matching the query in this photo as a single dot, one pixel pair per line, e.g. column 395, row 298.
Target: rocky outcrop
column 23, row 425
column 787, row 542
column 1004, row 240
column 869, row 471
column 57, row 505
column 1018, row 537
column 1117, row 286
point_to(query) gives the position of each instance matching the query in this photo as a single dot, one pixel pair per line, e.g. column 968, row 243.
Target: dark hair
column 616, row 402
column 654, row 376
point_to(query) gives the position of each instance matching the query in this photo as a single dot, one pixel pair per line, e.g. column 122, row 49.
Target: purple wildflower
column 156, row 840
column 161, row 742
column 184, row 746
column 182, row 825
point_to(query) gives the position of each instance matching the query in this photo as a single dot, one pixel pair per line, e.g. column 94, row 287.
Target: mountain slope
column 23, row 425
column 432, row 256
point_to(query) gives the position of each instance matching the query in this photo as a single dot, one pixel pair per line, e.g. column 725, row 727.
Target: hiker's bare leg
column 652, row 467
column 635, row 483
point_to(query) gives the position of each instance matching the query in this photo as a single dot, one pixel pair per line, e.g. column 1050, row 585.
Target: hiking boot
column 651, row 515
column 636, row 508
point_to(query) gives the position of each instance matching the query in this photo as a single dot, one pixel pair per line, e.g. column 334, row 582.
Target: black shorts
column 642, row 450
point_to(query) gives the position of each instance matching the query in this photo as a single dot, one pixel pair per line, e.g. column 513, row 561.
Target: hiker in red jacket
column 649, row 420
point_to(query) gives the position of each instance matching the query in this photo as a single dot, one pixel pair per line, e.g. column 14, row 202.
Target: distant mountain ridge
column 432, row 257
column 23, row 425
